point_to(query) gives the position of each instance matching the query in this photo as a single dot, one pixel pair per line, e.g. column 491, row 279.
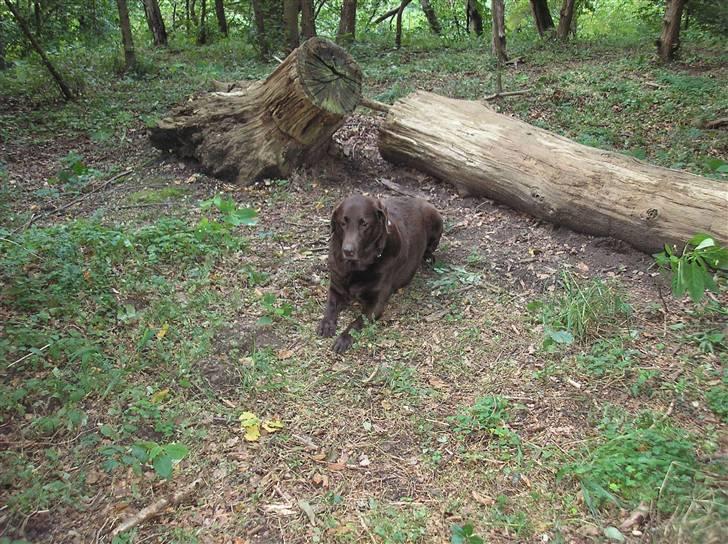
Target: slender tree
column 669, row 41
column 62, row 85
column 221, row 20
column 542, row 16
column 499, row 31
column 202, row 29
column 432, row 19
column 398, row 35
column 566, row 17
column 155, row 21
column 126, row 37
column 308, row 20
column 269, row 32
column 347, row 22
column 290, row 23
column 473, row 18
column 3, row 60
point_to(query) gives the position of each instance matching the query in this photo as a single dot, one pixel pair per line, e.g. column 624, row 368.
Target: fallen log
column 271, row 127
column 484, row 153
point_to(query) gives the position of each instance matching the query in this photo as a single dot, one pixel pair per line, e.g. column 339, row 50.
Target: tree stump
column 551, row 177
column 271, row 127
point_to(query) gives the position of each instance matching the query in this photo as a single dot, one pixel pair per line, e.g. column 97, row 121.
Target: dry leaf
column 437, row 383
column 364, row 460
column 320, row 480
column 306, row 507
column 319, row 456
column 636, row 518
column 336, row 467
column 480, row 499
column 285, row 354
column 582, row 267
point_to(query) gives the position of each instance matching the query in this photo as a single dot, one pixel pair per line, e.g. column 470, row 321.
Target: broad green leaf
column 695, row 284
column 561, row 337
column 163, row 466
column 612, row 533
column 176, row 451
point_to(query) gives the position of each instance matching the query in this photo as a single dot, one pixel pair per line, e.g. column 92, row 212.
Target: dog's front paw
column 343, row 342
column 326, row 328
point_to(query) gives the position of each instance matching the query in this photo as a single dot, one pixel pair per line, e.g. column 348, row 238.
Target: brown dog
column 376, row 248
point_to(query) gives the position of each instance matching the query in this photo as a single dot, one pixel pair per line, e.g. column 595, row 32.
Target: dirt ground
column 368, row 447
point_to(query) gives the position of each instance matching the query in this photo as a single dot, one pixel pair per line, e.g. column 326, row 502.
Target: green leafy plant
column 73, row 176
column 452, row 277
column 231, row 214
column 607, row 356
column 635, row 461
column 717, row 398
column 693, row 270
column 162, row 458
column 274, row 309
column 464, row 534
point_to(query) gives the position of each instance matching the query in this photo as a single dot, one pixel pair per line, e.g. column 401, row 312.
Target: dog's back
column 420, row 226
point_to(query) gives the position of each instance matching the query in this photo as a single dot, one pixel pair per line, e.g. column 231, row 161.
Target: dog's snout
column 348, row 250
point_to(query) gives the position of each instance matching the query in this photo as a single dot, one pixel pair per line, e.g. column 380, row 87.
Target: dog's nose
column 348, row 251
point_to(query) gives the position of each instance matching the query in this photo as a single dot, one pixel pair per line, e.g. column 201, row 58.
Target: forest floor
column 532, row 385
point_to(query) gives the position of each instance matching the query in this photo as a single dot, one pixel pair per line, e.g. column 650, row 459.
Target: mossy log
column 484, row 153
column 270, row 127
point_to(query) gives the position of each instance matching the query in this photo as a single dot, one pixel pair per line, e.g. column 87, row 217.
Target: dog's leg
column 372, row 311
column 334, row 305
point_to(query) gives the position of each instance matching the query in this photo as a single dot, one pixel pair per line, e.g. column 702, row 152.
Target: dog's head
column 359, row 227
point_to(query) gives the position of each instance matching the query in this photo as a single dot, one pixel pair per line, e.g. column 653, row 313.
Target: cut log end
column 329, row 76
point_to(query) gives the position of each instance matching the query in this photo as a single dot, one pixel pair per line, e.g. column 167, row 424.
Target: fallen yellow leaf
column 252, row 433
column 160, row 396
column 162, row 331
column 273, row 425
column 251, row 423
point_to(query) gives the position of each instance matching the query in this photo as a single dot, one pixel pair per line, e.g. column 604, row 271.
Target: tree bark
column 551, row 177
column 155, row 21
column 499, row 30
column 62, row 85
column 308, row 20
column 398, row 33
column 432, row 19
column 126, row 37
column 542, row 16
column 3, row 60
column 565, row 18
column 269, row 35
column 290, row 23
column 669, row 41
column 202, row 29
column 271, row 127
column 347, row 23
column 473, row 17
column 221, row 20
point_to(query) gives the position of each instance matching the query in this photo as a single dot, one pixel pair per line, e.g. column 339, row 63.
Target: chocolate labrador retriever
column 376, row 248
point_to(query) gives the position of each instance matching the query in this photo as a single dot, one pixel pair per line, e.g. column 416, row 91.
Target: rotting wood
column 270, row 127
column 155, row 509
column 484, row 153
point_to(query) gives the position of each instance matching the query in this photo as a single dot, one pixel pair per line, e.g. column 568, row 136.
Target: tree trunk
column 155, row 21
column 347, row 23
column 432, row 19
column 499, row 30
column 62, row 85
column 473, row 17
column 3, row 60
column 221, row 21
column 565, row 18
column 126, row 37
column 551, row 177
column 398, row 34
column 271, row 127
column 542, row 16
column 187, row 15
column 669, row 41
column 290, row 23
column 308, row 20
column 269, row 35
column 202, row 29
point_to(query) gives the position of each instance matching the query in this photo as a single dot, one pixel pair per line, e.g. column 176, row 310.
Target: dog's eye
column 363, row 224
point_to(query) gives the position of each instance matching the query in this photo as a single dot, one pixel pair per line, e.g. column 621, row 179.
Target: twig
column 8, row 240
column 375, row 104
column 24, row 357
column 305, row 441
column 155, row 509
column 507, row 93
column 653, row 85
column 717, row 123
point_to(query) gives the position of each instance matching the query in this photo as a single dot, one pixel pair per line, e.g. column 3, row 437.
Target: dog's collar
column 386, row 232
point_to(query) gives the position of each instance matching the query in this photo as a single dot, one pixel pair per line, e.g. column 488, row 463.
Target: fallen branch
column 509, row 93
column 717, row 123
column 392, row 186
column 391, row 13
column 374, row 104
column 155, row 509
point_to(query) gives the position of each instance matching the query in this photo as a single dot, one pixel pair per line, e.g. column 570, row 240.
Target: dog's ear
column 335, row 217
column 382, row 215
